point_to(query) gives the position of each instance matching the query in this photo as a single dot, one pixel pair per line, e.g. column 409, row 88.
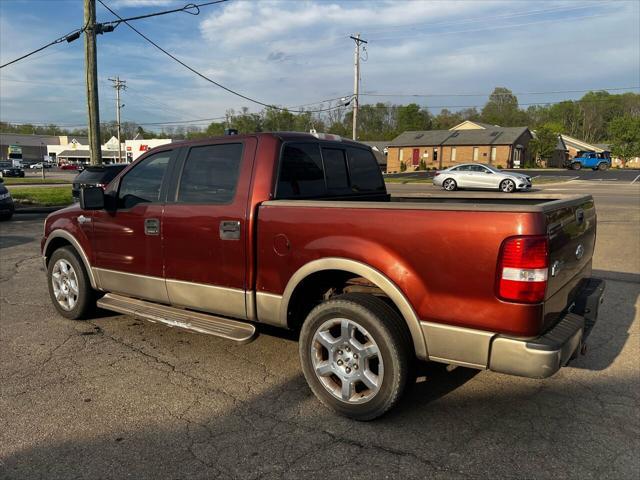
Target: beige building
column 467, row 142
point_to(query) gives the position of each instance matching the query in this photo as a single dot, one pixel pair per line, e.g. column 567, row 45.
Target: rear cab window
column 310, row 170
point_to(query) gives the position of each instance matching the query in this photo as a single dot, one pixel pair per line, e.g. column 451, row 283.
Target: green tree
column 412, row 117
column 502, row 109
column 543, row 145
column 624, row 135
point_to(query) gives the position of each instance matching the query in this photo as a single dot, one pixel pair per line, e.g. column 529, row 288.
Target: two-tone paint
column 436, row 261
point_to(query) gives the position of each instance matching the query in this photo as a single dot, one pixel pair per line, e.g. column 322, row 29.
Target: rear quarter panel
column 443, row 261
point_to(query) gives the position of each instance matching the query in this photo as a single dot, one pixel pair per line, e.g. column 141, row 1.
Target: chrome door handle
column 230, row 230
column 82, row 219
column 151, row 226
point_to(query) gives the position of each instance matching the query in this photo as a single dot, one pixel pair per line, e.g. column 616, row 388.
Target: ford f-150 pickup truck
column 220, row 236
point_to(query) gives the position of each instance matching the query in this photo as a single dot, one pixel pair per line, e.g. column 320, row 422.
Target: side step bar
column 240, row 332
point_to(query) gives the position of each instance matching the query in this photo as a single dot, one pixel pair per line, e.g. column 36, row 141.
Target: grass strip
column 42, row 196
column 32, row 181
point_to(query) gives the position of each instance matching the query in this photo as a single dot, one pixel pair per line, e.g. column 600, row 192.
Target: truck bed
column 441, row 250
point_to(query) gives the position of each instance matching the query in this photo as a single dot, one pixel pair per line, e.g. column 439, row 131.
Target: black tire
column 452, row 182
column 507, row 186
column 85, row 303
column 576, row 166
column 389, row 334
column 603, row 166
column 6, row 217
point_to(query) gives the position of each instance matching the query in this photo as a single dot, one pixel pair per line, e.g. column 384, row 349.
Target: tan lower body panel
column 141, row 286
column 240, row 332
column 223, row 301
column 457, row 345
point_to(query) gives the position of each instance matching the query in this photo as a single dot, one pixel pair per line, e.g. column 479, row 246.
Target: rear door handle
column 151, row 226
column 230, row 230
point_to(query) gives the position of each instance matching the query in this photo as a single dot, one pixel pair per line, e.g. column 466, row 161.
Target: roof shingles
column 490, row 136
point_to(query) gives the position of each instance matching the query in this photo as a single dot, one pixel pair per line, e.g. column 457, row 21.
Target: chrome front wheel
column 64, row 282
column 346, row 359
column 69, row 285
column 507, row 186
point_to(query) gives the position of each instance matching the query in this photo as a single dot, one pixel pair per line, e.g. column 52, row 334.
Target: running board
column 240, row 332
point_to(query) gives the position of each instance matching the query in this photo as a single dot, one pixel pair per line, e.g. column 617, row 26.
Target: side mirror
column 92, row 198
column 487, row 171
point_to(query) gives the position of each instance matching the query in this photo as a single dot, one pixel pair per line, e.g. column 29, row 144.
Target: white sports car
column 479, row 175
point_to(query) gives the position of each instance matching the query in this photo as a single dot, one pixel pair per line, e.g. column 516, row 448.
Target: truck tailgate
column 572, row 233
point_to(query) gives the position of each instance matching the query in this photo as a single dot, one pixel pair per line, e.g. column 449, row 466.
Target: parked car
column 592, row 160
column 69, row 166
column 6, row 202
column 298, row 231
column 12, row 172
column 40, row 165
column 481, row 176
column 95, row 176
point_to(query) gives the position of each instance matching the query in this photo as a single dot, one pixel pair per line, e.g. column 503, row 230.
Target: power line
column 185, row 9
column 497, row 94
column 69, row 37
column 203, row 76
column 110, row 26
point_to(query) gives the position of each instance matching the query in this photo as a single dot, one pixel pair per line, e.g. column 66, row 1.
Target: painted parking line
column 635, row 180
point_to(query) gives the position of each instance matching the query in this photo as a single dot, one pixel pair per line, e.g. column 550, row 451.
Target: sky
column 285, row 52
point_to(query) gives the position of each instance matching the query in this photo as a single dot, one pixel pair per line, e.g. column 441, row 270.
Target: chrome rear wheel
column 346, row 359
column 449, row 184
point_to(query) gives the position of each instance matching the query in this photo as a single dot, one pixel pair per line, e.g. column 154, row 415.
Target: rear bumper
column 543, row 356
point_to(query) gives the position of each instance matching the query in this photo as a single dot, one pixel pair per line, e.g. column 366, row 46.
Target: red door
column 416, row 157
column 127, row 241
column 204, row 229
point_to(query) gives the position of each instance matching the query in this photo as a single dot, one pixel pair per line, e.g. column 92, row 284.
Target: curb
column 39, row 209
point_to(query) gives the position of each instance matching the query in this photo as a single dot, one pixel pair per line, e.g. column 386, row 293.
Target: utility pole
column 356, row 83
column 91, row 75
column 118, row 85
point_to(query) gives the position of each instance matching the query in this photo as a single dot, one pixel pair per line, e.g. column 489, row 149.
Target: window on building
column 210, row 174
column 142, row 183
column 475, row 154
column 435, row 154
column 453, row 154
column 335, row 169
column 493, row 154
column 301, row 173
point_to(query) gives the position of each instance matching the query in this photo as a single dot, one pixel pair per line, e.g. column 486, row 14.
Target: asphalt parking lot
column 114, row 397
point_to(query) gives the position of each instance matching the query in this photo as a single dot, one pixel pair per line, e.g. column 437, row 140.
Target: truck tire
column 69, row 285
column 356, row 355
column 449, row 185
column 603, row 166
column 576, row 166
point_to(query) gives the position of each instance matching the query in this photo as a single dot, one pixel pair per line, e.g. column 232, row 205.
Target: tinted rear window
column 301, row 173
column 99, row 175
column 335, row 169
column 364, row 171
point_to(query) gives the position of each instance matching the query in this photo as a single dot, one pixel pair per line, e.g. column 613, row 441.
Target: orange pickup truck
column 223, row 235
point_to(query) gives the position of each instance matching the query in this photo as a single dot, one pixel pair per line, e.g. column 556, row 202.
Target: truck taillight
column 522, row 269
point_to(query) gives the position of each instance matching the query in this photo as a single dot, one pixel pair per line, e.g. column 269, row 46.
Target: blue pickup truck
column 593, row 160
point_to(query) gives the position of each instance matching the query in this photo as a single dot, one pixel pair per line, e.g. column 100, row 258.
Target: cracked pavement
column 115, row 397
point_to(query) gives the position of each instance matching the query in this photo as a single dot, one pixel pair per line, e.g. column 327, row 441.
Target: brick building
column 467, row 142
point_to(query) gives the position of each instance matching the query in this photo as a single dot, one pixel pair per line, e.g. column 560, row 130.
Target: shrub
column 423, row 165
column 403, row 167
